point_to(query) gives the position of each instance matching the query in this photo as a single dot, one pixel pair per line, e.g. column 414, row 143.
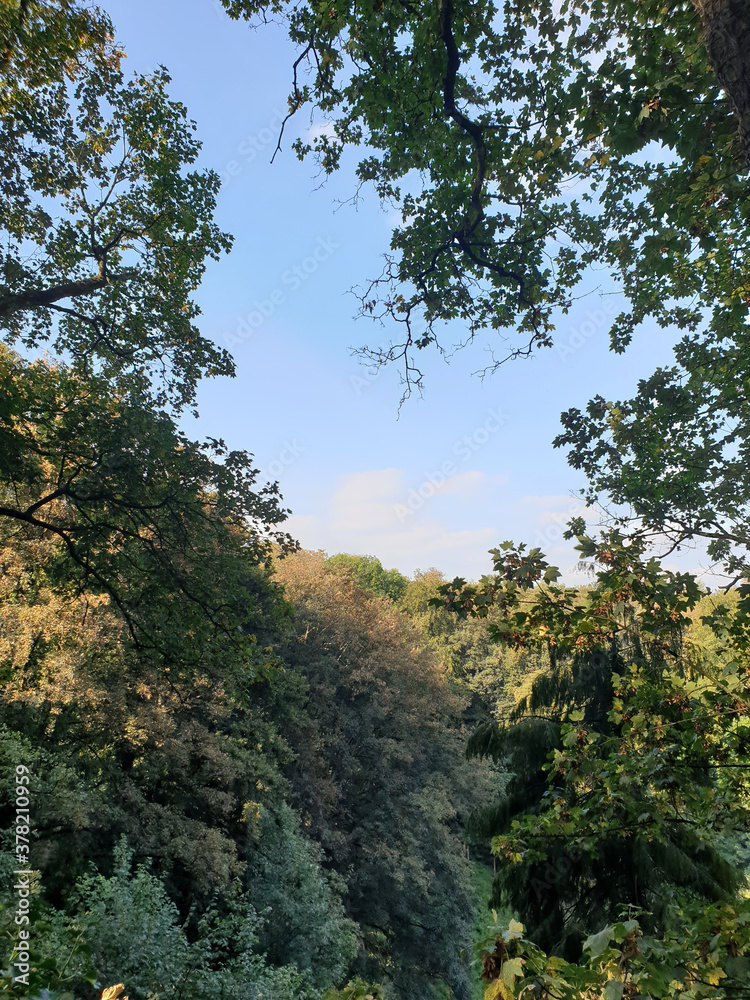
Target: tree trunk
column 726, row 26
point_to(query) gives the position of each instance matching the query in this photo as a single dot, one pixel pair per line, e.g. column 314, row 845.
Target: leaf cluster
column 522, row 144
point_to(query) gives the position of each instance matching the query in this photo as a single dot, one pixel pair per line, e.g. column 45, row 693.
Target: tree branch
column 40, row 297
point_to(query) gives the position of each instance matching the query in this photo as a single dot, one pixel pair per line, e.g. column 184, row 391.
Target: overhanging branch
column 39, row 297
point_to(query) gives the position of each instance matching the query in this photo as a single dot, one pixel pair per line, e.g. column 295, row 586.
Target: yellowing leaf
column 113, row 992
column 511, row 969
column 497, row 989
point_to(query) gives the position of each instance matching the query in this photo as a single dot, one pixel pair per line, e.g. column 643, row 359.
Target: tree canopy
column 257, row 755
column 136, row 506
column 368, row 572
column 523, row 143
column 627, row 763
column 106, row 232
column 672, row 461
column 106, row 229
column 381, row 780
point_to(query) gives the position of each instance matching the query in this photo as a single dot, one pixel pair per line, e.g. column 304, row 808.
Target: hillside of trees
column 236, row 769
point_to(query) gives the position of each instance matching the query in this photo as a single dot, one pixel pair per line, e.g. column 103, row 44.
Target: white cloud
column 361, row 503
column 378, row 484
column 361, row 516
column 299, row 524
column 552, row 502
column 465, row 484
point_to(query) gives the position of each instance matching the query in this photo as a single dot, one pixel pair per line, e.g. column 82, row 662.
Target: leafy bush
column 133, row 933
column 305, row 920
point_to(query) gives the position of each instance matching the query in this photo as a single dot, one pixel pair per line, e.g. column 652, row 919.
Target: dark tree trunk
column 726, row 25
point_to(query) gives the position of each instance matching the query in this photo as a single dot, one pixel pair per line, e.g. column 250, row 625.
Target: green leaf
column 613, row 990
column 597, row 943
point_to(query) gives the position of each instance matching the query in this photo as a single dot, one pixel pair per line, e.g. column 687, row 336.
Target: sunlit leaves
column 674, row 458
column 587, row 132
column 107, row 230
column 644, row 791
column 136, row 508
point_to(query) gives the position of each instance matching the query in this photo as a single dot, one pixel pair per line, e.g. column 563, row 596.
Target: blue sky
column 451, row 475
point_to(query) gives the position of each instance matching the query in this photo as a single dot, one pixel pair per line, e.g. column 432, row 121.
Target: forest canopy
column 523, row 143
column 233, row 767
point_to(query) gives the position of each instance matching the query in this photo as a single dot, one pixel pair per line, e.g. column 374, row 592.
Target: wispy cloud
column 360, row 517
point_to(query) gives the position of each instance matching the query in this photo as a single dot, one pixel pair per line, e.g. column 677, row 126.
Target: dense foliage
column 247, row 763
column 105, row 229
column 380, row 777
column 521, row 142
column 621, row 830
column 158, row 694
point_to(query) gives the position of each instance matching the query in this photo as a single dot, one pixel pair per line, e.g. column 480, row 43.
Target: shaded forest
column 233, row 768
